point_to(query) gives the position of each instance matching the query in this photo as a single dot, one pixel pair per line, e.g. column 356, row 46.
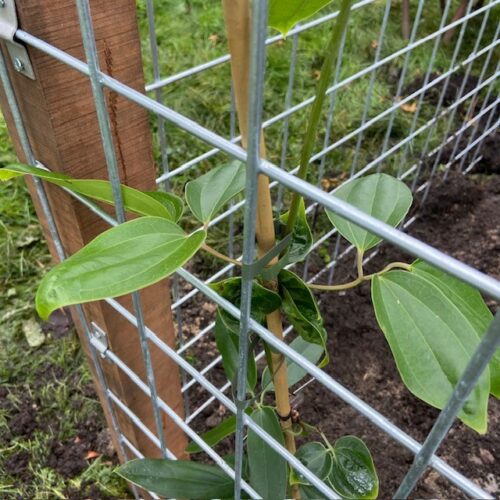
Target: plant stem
column 331, row 54
column 361, row 278
column 359, row 264
column 219, row 255
column 237, row 20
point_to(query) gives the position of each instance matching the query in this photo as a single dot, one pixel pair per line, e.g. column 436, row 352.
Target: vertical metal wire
column 467, row 382
column 472, row 135
column 328, row 132
column 153, row 43
column 56, row 240
column 401, row 81
column 331, row 107
column 232, row 134
column 468, row 113
column 451, row 118
column 286, row 121
column 112, row 165
column 493, row 112
column 255, row 103
column 428, row 73
column 442, row 94
column 373, row 74
column 162, row 137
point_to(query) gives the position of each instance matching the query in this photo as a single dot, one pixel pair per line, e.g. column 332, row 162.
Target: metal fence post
column 60, row 117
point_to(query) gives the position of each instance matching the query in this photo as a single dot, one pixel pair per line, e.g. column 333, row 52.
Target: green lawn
column 189, row 32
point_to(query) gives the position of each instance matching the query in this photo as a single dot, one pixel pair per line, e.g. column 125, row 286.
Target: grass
column 189, row 32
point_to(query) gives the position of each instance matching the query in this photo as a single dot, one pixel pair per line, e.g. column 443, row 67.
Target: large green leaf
column 210, row 192
column 178, row 479
column 217, row 434
column 302, row 238
column 470, row 303
column 264, row 301
column 301, row 310
column 379, row 195
column 353, row 473
column 153, row 203
column 268, row 469
column 285, row 14
column 121, row 260
column 431, row 339
column 228, row 341
column 312, row 352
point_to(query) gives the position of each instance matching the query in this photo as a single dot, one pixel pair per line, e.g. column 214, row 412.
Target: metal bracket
column 17, row 52
column 99, row 339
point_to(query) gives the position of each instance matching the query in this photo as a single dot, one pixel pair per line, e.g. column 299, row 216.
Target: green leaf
column 217, row 434
column 285, row 14
column 431, row 340
column 302, row 311
column 228, row 341
column 312, row 352
column 264, row 301
column 178, row 478
column 153, row 204
column 379, row 195
column 210, row 192
column 353, row 473
column 470, row 303
column 316, row 458
column 268, row 469
column 302, row 238
column 121, row 260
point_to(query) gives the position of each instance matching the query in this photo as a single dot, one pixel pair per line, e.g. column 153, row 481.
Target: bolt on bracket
column 99, row 339
column 8, row 27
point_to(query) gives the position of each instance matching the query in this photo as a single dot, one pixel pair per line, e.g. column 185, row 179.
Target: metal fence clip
column 17, row 52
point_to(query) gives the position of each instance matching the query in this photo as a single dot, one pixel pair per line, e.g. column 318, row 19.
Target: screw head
column 2, row 3
column 18, row 64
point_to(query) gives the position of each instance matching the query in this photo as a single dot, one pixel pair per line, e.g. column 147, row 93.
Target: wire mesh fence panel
column 420, row 107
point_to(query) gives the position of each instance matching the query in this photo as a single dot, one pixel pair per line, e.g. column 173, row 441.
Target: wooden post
column 59, row 114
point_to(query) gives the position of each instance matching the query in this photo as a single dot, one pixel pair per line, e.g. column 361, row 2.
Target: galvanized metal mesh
column 444, row 139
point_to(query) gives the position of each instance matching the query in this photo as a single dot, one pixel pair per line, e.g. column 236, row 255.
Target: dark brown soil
column 462, row 218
